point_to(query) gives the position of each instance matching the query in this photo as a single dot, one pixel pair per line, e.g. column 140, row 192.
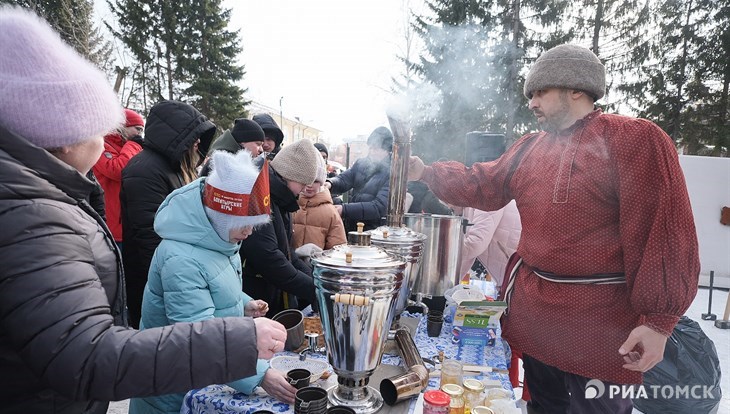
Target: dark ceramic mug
column 293, row 321
column 299, row 377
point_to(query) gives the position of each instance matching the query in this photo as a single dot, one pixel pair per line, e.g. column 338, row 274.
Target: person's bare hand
column 270, row 337
column 255, row 308
column 338, row 207
column 276, row 385
column 650, row 345
column 327, row 185
column 415, row 168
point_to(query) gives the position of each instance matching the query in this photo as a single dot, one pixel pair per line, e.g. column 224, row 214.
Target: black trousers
column 553, row 391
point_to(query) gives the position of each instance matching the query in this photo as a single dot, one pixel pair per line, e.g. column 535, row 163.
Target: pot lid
column 395, row 235
column 361, row 255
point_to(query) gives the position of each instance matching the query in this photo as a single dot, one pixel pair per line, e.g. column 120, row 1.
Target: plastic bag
column 690, row 359
column 456, row 295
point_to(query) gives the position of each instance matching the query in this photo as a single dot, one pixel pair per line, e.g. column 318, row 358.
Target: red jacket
column 108, row 171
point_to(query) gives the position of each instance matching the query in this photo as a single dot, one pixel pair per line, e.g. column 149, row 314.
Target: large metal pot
column 441, row 259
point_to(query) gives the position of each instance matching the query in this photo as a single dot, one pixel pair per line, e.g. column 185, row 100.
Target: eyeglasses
column 139, row 129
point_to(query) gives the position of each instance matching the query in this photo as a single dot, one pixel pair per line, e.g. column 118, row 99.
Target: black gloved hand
column 137, row 138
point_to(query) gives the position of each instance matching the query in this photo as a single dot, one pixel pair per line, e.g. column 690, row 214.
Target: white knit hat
column 49, row 94
column 236, row 195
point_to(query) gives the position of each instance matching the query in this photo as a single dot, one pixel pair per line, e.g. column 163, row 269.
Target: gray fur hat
column 567, row 67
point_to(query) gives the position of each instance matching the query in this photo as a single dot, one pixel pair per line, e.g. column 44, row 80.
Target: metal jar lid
column 453, row 390
column 471, row 384
column 357, row 255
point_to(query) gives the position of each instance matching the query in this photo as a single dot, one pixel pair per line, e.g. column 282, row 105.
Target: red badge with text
column 234, row 204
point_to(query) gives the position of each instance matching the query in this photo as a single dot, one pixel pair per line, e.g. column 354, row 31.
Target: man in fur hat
column 608, row 258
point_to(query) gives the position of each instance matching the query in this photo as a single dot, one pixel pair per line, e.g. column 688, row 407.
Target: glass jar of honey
column 452, row 372
column 456, row 393
column 473, row 390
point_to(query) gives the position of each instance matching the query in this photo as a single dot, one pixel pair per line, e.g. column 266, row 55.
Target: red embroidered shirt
column 605, row 196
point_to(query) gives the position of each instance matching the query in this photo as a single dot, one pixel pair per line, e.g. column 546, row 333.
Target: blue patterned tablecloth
column 222, row 399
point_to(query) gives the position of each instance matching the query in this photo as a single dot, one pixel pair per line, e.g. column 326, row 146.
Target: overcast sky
column 331, row 60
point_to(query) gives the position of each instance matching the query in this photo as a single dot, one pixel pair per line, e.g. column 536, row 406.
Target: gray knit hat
column 567, row 67
column 298, row 162
column 321, row 170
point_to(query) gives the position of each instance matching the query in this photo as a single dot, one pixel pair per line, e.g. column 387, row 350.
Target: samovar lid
column 359, row 254
column 395, row 235
column 350, row 256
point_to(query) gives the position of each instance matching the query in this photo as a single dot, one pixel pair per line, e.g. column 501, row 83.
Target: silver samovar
column 357, row 287
column 408, row 245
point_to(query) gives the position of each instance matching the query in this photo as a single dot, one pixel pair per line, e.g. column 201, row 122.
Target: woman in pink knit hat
column 64, row 342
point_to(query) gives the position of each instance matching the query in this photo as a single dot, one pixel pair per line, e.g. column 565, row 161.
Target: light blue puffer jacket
column 194, row 275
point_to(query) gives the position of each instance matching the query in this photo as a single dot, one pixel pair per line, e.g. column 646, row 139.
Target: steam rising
column 419, row 103
column 465, row 86
column 465, row 68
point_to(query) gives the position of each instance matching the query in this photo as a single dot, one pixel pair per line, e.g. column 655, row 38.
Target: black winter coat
column 64, row 347
column 96, row 197
column 370, row 184
column 270, row 266
column 171, row 130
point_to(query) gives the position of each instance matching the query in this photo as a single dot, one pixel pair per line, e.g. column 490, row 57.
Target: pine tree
column 475, row 55
column 183, row 51
column 617, row 32
column 714, row 61
column 207, row 62
column 667, row 86
column 456, row 62
column 73, row 19
column 137, row 25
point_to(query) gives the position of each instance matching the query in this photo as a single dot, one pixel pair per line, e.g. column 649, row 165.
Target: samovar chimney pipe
column 398, row 171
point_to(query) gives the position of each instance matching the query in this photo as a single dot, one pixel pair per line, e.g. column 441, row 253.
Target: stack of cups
column 311, row 400
column 434, row 322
